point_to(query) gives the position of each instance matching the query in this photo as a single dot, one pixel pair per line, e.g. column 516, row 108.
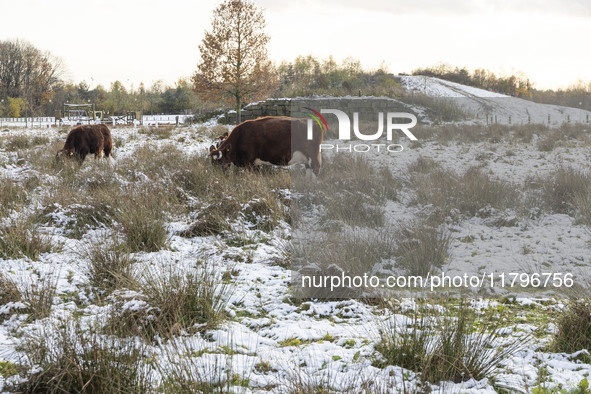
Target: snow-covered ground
column 555, row 243
column 330, row 343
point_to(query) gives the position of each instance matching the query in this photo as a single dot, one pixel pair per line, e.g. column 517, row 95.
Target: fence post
column 509, row 119
column 567, row 118
column 548, row 119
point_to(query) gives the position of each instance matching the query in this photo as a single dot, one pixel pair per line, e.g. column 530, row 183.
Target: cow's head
column 65, row 153
column 221, row 154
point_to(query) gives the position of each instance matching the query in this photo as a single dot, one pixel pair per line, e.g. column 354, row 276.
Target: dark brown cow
column 87, row 139
column 270, row 140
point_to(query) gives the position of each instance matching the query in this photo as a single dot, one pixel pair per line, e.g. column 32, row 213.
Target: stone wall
column 368, row 107
column 270, row 107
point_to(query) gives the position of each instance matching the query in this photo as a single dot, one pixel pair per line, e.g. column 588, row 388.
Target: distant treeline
column 512, row 85
column 114, row 100
column 32, row 84
column 118, row 99
column 577, row 95
column 307, row 76
column 518, row 85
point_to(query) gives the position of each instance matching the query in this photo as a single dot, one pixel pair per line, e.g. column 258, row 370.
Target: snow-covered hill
column 499, row 108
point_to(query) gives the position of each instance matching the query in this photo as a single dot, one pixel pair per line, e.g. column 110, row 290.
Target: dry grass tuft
column 422, row 248
column 445, row 348
column 22, row 239
column 110, row 266
column 451, row 195
column 172, row 303
column 574, row 327
column 564, row 188
column 71, row 359
column 12, row 196
column 142, row 222
column 160, row 132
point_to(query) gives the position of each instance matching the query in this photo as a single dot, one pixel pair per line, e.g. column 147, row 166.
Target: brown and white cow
column 274, row 140
column 87, row 139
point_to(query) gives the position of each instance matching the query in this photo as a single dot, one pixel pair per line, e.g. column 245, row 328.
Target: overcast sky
column 135, row 41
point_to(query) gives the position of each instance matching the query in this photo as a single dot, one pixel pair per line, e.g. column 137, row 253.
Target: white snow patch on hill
column 436, row 87
column 491, row 107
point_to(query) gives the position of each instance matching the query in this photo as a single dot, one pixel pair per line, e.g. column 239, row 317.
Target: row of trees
column 517, row 85
column 114, row 100
column 117, row 99
column 32, row 84
column 577, row 95
column 307, row 76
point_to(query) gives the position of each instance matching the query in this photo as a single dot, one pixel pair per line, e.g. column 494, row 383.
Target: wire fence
column 47, row 121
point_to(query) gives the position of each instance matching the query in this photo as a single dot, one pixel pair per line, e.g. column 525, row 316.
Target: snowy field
column 258, row 337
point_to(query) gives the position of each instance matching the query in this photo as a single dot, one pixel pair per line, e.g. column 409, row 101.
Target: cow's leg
column 298, row 158
column 316, row 162
column 81, row 156
column 107, row 151
column 98, row 154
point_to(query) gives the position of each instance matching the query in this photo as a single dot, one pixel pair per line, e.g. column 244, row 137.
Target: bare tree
column 28, row 73
column 234, row 63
